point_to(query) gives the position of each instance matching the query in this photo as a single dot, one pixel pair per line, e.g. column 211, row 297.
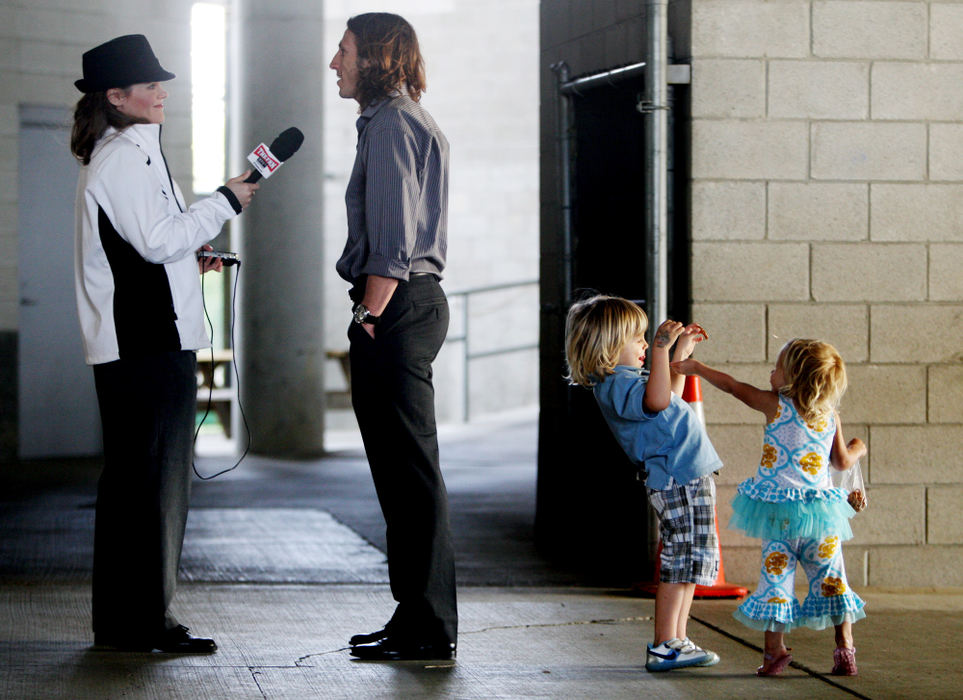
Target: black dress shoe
column 179, row 641
column 369, row 638
column 394, row 649
column 174, row 641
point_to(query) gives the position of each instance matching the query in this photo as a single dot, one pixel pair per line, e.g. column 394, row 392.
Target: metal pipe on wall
column 564, row 131
column 610, row 77
column 655, row 107
column 656, row 160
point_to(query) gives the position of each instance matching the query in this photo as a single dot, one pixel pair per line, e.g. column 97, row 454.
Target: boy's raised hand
column 667, row 333
column 659, row 388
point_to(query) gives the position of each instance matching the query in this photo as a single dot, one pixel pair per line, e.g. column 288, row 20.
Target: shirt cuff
column 386, row 267
column 235, row 204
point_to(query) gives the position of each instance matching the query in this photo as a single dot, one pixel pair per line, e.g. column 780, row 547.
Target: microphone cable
column 210, row 325
column 237, row 380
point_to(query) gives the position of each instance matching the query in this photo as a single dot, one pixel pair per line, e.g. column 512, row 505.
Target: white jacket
column 138, row 287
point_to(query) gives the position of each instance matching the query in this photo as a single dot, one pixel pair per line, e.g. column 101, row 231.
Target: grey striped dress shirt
column 397, row 197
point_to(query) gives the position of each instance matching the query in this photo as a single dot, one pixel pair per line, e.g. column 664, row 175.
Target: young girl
column 791, row 502
column 605, row 350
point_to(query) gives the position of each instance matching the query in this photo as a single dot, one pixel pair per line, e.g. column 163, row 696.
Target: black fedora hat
column 120, row 62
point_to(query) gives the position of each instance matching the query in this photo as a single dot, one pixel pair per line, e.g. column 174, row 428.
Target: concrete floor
column 283, row 562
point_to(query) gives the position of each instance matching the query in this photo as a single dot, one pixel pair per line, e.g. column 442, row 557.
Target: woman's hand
column 206, row 264
column 244, row 191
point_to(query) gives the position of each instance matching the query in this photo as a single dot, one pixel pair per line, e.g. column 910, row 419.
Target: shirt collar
column 366, row 116
column 641, row 371
column 144, row 136
column 373, row 109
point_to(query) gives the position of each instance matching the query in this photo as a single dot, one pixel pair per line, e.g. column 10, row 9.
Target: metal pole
column 564, row 131
column 466, row 385
column 656, row 186
column 656, row 160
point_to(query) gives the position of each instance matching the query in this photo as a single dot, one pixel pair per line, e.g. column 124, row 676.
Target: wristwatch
column 360, row 314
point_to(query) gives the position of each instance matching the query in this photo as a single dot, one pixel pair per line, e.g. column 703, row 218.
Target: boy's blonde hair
column 815, row 376
column 596, row 330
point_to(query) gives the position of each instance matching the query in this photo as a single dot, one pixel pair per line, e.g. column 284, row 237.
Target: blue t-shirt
column 672, row 444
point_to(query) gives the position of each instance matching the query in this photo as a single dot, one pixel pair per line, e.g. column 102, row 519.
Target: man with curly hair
column 397, row 202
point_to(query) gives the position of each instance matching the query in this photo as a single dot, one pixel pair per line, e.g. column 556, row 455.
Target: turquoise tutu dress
column 792, row 505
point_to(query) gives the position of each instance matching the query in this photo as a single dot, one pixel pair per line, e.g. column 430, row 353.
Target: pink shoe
column 844, row 662
column 774, row 665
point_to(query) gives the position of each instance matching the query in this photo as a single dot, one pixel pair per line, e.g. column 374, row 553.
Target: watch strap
column 362, row 315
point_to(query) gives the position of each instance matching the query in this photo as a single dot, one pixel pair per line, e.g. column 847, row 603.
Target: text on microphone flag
column 265, row 162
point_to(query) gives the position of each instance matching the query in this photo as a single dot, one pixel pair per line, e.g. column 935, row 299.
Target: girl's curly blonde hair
column 815, row 376
column 596, row 330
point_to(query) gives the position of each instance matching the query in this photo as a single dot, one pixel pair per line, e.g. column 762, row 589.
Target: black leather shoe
column 392, row 649
column 369, row 638
column 174, row 641
column 179, row 641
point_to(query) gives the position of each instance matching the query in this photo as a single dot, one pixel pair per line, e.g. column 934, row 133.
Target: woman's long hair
column 388, row 57
column 92, row 115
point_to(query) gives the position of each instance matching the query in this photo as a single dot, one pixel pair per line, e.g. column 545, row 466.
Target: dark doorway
column 608, row 198
column 592, row 510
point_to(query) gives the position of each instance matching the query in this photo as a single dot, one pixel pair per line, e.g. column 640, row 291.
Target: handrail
column 467, row 355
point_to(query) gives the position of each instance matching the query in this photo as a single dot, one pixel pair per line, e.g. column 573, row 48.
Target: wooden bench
column 221, row 397
column 339, row 400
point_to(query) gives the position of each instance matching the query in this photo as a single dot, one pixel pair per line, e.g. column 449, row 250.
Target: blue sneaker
column 677, row 653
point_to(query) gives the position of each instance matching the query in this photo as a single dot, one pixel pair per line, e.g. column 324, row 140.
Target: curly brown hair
column 389, row 58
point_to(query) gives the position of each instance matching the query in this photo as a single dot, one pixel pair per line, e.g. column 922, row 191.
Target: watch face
column 360, row 313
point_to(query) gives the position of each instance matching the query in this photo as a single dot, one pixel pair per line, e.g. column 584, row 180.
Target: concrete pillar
column 276, row 73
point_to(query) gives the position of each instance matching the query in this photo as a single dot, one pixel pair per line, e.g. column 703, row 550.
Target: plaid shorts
column 687, row 526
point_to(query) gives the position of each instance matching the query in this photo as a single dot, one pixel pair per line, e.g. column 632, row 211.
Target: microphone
column 266, row 160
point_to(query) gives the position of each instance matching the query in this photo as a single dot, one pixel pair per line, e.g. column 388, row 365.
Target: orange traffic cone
column 720, row 589
column 692, row 393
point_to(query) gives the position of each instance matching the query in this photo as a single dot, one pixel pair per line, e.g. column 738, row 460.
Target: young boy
column 605, row 350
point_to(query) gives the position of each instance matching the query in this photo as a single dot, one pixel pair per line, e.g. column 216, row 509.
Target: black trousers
column 147, row 407
column 394, row 402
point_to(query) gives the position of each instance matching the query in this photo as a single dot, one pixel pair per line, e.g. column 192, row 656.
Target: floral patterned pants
column 830, row 601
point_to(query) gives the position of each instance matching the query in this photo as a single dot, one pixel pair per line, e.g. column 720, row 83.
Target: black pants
column 394, row 402
column 147, row 407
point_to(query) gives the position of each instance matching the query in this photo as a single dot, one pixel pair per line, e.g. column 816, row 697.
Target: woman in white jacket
column 141, row 316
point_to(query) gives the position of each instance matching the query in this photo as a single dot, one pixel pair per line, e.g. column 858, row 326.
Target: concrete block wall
column 827, row 201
